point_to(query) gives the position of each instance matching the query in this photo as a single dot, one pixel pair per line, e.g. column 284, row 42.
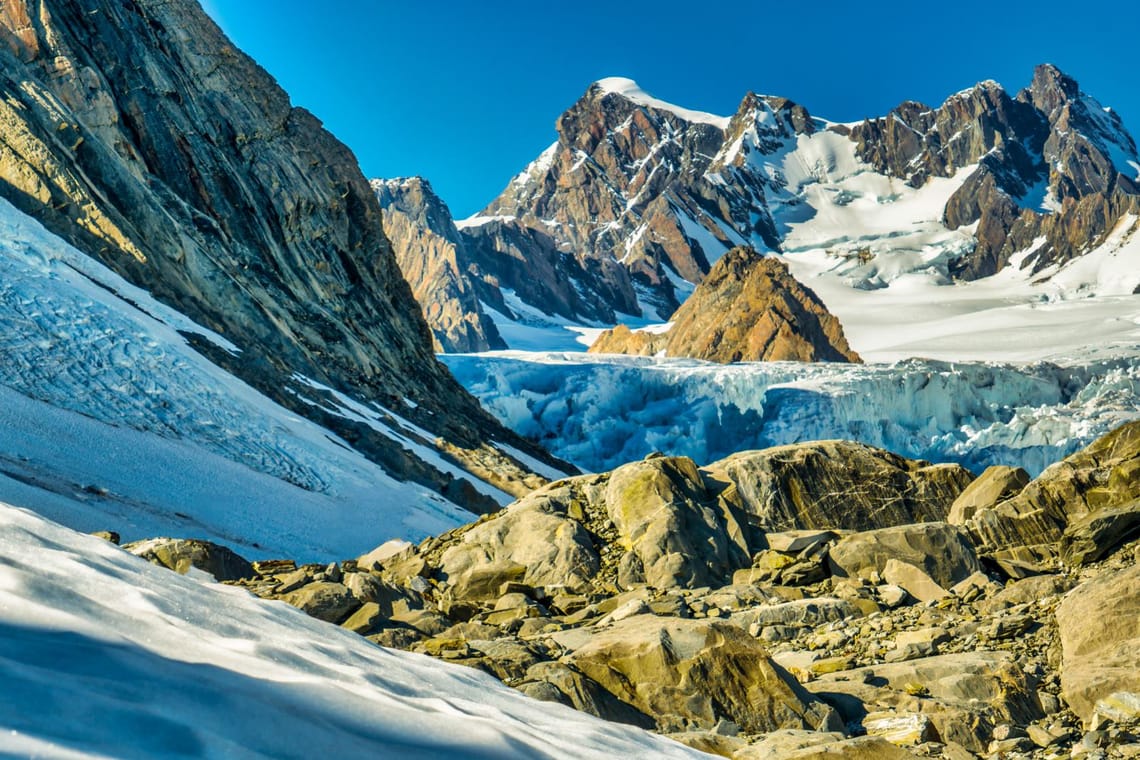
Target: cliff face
column 135, row 130
column 434, row 260
column 749, row 308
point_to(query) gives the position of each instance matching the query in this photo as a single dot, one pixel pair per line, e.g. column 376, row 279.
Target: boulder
column 679, row 532
column 694, row 673
column 1094, row 536
column 331, row 602
column 859, row 748
column 1104, row 475
column 996, row 484
column 180, row 554
column 801, row 613
column 533, row 541
column 913, row 581
column 1099, row 626
column 781, row 743
column 828, row 485
column 559, row 682
column 942, row 551
column 374, row 559
column 964, row 695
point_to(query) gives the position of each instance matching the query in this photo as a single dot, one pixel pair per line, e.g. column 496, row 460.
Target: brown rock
column 694, row 673
column 331, row 602
column 748, row 308
column 1105, row 474
column 942, row 551
column 994, row 485
column 179, row 555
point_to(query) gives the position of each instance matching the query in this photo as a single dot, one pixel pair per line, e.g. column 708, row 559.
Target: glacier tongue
column 601, row 411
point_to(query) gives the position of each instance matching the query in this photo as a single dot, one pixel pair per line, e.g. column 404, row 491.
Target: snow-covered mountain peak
column 633, row 92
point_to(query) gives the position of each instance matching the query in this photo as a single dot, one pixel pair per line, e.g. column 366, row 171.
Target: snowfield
column 601, row 411
column 109, row 420
column 109, row 656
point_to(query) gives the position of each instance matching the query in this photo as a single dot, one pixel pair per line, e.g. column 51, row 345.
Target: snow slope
column 601, row 411
column 113, row 657
column 110, row 420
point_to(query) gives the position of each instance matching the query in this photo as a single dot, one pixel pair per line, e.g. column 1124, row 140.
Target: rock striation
column 137, row 132
column 748, row 308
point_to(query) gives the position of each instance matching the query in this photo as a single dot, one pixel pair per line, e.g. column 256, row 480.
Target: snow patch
column 105, row 655
column 631, row 90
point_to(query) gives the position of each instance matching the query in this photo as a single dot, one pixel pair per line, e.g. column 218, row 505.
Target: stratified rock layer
column 139, row 133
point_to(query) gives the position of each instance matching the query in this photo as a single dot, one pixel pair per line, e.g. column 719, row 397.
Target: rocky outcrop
column 665, row 522
column 139, row 133
column 607, row 593
column 433, row 259
column 748, row 308
column 1078, row 492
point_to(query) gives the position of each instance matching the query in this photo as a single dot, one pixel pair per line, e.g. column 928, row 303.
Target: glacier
column 599, row 411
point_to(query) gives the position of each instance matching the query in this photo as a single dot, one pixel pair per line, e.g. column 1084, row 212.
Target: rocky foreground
column 814, row 600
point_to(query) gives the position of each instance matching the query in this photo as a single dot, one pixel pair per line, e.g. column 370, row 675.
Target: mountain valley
column 754, row 435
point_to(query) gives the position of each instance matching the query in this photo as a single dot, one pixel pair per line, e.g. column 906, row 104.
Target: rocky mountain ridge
column 138, row 133
column 748, row 308
column 648, row 195
column 824, row 599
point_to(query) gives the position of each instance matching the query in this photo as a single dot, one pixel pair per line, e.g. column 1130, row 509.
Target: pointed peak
column 1052, row 88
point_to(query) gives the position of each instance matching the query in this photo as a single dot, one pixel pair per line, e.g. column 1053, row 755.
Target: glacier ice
column 600, row 411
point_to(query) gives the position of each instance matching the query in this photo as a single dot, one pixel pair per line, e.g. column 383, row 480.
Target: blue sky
column 466, row 93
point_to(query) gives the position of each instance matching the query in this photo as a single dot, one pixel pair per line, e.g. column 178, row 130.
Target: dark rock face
column 748, row 308
column 137, row 132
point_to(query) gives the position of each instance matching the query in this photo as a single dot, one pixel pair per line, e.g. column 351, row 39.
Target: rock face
column 434, row 260
column 138, row 133
column 748, row 308
column 1073, row 493
column 647, row 196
